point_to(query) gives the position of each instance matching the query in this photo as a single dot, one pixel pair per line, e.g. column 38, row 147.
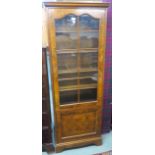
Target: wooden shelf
column 75, row 31
column 66, row 31
column 82, row 50
column 75, row 78
column 75, row 50
column 67, row 52
column 81, row 70
column 89, row 31
column 69, row 49
column 77, row 87
column 88, row 50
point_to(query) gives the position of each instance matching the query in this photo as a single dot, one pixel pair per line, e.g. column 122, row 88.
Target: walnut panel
column 76, row 124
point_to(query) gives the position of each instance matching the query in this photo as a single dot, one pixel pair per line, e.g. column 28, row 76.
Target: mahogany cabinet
column 46, row 114
column 77, row 42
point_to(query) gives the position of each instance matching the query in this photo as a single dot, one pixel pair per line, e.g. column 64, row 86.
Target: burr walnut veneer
column 77, row 42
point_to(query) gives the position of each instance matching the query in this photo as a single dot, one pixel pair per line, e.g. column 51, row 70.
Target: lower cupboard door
column 79, row 124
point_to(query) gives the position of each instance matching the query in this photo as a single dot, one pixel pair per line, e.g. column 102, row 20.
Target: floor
column 89, row 150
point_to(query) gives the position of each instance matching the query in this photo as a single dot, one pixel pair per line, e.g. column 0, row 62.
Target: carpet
column 105, row 153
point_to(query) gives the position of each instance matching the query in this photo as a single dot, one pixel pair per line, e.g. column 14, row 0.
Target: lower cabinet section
column 78, row 125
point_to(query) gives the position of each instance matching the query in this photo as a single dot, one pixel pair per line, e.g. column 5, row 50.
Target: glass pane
column 67, row 97
column 67, row 62
column 63, row 83
column 88, row 95
column 88, row 80
column 68, row 23
column 89, row 74
column 89, row 39
column 66, row 40
column 68, row 76
column 88, row 23
column 89, row 60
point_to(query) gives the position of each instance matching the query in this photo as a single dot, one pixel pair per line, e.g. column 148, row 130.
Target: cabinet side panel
column 54, row 74
column 101, row 63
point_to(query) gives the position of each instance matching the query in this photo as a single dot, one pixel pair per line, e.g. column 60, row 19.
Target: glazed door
column 77, row 54
column 77, row 58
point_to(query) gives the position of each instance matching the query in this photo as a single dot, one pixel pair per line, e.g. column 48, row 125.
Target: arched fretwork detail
column 72, row 22
column 87, row 22
column 66, row 23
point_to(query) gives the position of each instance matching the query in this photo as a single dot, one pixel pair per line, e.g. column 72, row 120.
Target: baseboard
column 72, row 144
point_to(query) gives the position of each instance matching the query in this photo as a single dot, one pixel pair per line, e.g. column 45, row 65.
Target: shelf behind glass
column 76, row 87
column 70, row 31
column 88, row 60
column 89, row 39
column 81, row 50
column 66, row 40
column 67, row 83
column 74, row 78
column 67, row 62
column 75, row 70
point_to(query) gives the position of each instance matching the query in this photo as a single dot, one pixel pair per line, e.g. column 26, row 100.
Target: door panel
column 78, row 123
column 77, row 45
column 85, row 123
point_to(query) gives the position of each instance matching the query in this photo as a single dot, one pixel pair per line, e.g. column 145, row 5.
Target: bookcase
column 77, row 42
